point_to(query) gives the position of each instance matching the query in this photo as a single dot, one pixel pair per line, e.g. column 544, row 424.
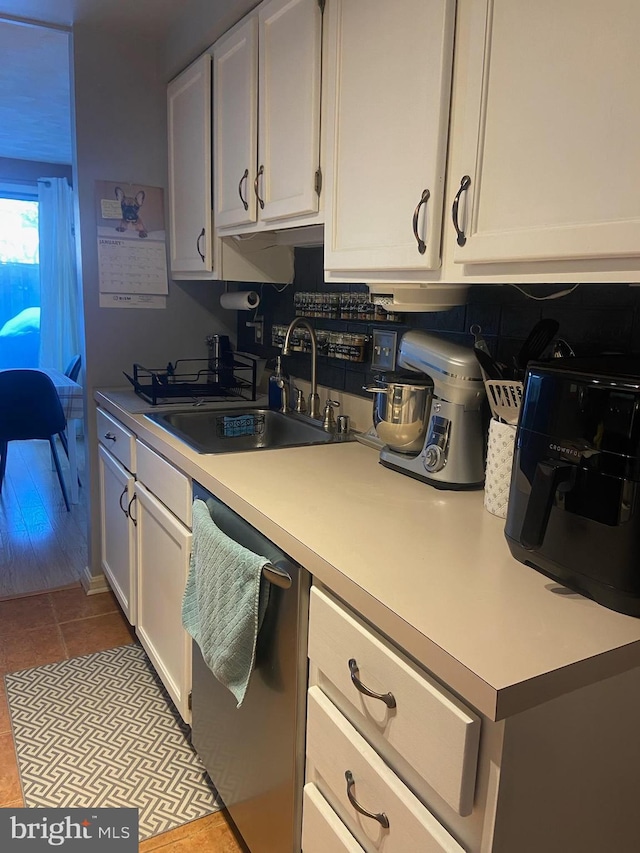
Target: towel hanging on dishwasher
column 224, row 601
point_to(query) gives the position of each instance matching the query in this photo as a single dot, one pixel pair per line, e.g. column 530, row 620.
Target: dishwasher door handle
column 276, row 576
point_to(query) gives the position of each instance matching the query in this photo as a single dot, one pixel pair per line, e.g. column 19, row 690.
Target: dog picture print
column 130, row 207
column 130, row 211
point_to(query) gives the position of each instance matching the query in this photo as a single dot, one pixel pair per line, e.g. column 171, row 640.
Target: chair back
column 73, row 368
column 29, row 406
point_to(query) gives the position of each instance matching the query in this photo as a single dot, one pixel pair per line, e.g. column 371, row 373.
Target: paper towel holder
column 242, row 300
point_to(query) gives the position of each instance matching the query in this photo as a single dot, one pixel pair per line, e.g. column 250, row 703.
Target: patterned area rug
column 101, row 731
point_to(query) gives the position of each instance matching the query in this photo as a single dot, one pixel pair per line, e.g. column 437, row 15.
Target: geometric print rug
column 101, row 731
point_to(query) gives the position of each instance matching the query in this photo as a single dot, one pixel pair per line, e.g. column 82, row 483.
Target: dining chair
column 73, row 368
column 30, row 409
column 72, row 372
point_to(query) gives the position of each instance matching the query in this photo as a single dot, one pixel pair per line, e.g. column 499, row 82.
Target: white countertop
column 429, row 568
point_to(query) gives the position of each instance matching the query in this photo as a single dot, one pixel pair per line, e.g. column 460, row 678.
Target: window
column 19, row 280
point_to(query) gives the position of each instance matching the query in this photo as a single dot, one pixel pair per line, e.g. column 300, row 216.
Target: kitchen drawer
column 168, row 484
column 428, row 727
column 117, row 439
column 322, row 829
column 334, row 748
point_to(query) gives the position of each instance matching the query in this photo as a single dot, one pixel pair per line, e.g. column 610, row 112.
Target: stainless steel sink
column 235, row 430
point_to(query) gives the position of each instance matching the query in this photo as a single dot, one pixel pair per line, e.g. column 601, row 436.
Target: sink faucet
column 314, row 400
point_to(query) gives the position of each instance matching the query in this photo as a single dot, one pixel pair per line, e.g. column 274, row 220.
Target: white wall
column 120, row 121
column 201, row 23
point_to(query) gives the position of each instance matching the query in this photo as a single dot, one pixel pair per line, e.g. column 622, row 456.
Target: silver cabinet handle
column 388, row 698
column 200, row 236
column 276, row 576
column 129, row 513
column 244, row 178
column 110, row 436
column 124, row 492
column 255, row 187
column 465, row 183
column 381, row 817
column 422, row 246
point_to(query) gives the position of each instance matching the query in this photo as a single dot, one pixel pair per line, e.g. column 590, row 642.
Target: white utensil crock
column 498, row 468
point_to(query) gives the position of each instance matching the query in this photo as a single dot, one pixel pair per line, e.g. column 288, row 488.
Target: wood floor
column 42, row 546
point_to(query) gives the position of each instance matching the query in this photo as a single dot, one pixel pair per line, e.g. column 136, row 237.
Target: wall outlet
column 257, row 324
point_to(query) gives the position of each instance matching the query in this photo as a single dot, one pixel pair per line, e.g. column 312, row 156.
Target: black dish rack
column 205, row 379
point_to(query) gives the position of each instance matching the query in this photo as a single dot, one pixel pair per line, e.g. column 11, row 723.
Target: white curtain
column 59, row 298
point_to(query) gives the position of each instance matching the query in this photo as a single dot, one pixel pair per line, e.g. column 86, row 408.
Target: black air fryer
column 574, row 504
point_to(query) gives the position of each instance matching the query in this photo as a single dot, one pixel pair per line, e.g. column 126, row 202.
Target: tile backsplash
column 593, row 318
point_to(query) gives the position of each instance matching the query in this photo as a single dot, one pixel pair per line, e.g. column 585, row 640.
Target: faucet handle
column 300, row 405
column 328, row 420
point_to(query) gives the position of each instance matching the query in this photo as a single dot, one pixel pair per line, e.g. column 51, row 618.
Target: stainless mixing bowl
column 400, row 412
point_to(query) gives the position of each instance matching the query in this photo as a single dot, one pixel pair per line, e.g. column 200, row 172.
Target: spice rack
column 342, row 305
column 340, row 345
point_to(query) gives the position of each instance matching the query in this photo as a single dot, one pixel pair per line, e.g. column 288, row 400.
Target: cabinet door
column 551, row 131
column 388, row 112
column 189, row 127
column 118, row 553
column 235, row 80
column 164, row 547
column 290, row 44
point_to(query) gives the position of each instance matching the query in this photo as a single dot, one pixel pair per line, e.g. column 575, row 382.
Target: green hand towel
column 224, row 602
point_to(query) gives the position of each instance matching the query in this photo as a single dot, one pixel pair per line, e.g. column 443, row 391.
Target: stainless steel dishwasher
column 255, row 754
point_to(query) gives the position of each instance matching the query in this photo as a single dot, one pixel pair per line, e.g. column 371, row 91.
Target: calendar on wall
column 132, row 255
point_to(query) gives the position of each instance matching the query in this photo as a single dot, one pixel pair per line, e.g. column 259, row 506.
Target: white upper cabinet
column 189, row 129
column 290, row 48
column 196, row 251
column 389, row 80
column 267, row 84
column 235, row 148
column 550, row 132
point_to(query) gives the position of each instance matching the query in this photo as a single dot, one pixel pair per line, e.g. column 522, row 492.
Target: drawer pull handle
column 244, row 178
column 381, row 817
column 255, row 187
column 388, row 698
column 200, row 236
column 422, row 246
column 129, row 513
column 124, row 492
column 465, row 183
column 110, row 436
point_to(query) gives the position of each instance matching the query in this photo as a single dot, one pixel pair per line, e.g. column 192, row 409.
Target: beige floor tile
column 20, row 614
column 5, row 722
column 10, row 791
column 16, row 804
column 34, row 647
column 96, row 633
column 71, row 604
column 211, row 834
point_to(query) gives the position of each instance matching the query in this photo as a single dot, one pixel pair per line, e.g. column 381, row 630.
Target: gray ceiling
column 35, row 117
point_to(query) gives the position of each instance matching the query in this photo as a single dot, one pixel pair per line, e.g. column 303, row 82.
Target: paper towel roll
column 243, row 300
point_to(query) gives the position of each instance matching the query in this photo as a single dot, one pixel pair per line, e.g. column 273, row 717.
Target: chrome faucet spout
column 314, row 400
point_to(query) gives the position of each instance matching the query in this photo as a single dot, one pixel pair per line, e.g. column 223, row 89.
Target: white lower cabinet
column 163, row 551
column 560, row 776
column 385, row 738
column 118, row 543
column 116, row 472
column 374, row 803
column 322, row 829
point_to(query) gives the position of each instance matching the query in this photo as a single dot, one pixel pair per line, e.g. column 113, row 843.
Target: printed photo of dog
column 130, row 206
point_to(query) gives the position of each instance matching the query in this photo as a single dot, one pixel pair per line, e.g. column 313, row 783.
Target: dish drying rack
column 202, row 379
